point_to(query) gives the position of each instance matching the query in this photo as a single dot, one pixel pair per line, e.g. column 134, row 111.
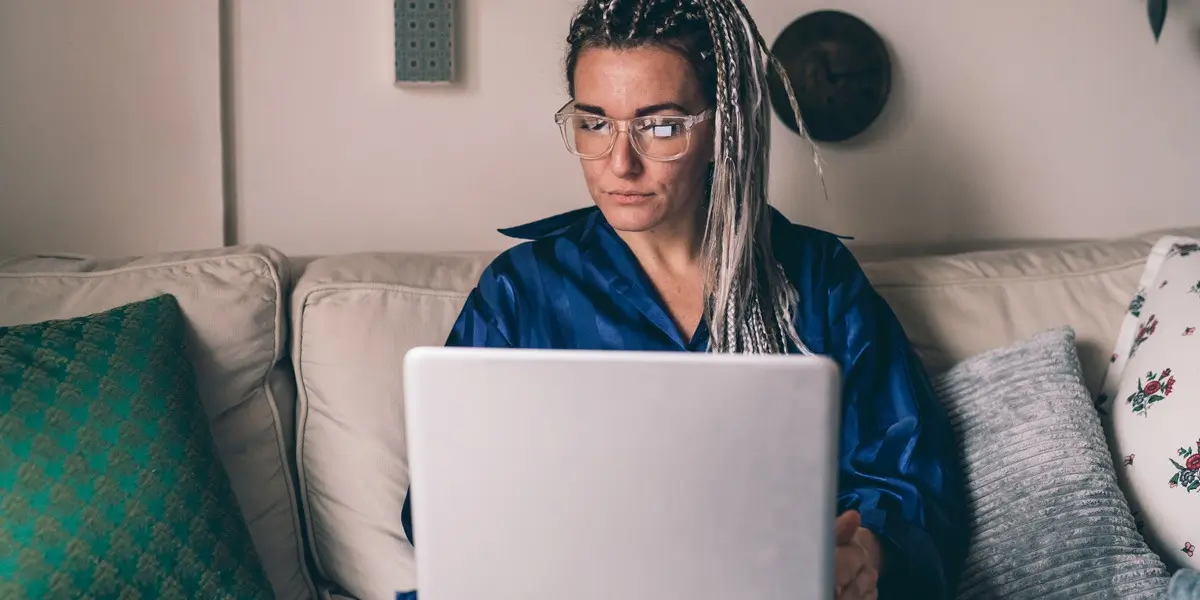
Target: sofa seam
column 301, row 429
column 383, row 287
column 975, row 280
column 133, row 268
column 302, row 409
column 1068, row 275
column 280, row 442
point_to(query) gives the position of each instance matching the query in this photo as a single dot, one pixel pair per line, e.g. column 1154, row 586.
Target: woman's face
column 635, row 193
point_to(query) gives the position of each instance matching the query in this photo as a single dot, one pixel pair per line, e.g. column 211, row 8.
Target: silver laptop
column 579, row 475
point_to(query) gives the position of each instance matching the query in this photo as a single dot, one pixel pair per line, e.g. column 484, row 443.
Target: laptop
column 581, row 475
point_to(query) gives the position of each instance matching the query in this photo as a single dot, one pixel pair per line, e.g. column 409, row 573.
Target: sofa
column 298, row 364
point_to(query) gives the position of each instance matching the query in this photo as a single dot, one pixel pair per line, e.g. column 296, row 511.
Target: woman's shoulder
column 826, row 276
column 810, row 254
column 573, row 221
column 519, row 282
column 543, row 245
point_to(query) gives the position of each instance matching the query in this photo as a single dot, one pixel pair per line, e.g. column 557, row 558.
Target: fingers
column 846, row 526
column 846, row 564
column 860, row 584
column 866, row 584
column 855, row 594
column 855, row 577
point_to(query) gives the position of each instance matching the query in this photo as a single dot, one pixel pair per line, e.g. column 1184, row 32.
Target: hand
column 856, row 561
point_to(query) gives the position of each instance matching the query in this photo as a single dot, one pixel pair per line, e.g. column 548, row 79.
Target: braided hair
column 749, row 303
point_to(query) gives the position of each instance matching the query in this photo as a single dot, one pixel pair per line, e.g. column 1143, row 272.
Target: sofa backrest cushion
column 354, row 318
column 955, row 307
column 233, row 300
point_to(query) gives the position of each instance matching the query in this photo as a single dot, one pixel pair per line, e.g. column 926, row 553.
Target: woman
column 670, row 118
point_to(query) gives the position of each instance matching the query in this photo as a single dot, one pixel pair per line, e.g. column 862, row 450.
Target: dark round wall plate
column 840, row 70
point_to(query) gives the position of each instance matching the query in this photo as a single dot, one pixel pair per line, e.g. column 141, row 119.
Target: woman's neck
column 674, row 247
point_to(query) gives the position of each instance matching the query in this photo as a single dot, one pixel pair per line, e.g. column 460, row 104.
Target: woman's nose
column 624, row 160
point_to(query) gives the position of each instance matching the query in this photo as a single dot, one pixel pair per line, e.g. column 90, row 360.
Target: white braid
column 607, row 17
column 737, row 239
column 637, row 17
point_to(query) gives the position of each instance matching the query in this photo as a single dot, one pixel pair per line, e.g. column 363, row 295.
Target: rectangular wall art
column 424, row 41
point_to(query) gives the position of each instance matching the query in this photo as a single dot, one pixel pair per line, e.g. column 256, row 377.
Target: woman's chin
column 632, row 217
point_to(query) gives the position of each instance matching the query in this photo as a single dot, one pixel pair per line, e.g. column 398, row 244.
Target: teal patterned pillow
column 109, row 483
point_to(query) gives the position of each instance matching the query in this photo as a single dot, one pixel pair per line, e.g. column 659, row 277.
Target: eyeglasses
column 657, row 137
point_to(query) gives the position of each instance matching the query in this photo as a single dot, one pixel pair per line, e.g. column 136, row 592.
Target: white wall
column 110, row 138
column 333, row 157
column 1011, row 120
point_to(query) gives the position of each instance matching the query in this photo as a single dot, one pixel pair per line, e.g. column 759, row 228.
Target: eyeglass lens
column 654, row 137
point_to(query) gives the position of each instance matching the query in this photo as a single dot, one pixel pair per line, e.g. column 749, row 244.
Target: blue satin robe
column 576, row 285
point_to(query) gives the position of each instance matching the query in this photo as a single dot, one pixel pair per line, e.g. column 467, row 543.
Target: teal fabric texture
column 110, row 486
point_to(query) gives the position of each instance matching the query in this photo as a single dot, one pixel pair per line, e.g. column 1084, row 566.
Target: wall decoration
column 840, row 70
column 1157, row 10
column 424, row 41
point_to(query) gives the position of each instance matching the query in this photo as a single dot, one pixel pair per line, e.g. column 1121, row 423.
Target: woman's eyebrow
column 657, row 108
column 641, row 112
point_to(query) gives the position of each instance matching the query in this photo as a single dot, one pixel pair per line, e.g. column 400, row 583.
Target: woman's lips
column 626, row 198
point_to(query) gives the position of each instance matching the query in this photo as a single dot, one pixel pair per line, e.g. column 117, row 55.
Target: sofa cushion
column 112, row 487
column 954, row 307
column 1047, row 516
column 354, row 318
column 233, row 301
column 1151, row 401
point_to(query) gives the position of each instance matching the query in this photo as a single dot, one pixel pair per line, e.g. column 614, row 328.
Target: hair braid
column 785, row 80
column 607, row 17
column 737, row 256
column 750, row 304
column 721, row 290
column 638, row 11
column 669, row 20
column 774, row 275
column 586, row 24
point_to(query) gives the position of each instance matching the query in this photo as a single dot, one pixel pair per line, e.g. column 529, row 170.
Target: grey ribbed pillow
column 1047, row 517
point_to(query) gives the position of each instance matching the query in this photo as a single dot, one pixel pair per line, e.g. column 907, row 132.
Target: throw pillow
column 1185, row 585
column 110, row 484
column 1150, row 402
column 1047, row 517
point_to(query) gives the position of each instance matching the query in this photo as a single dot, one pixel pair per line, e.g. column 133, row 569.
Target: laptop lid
column 548, row 475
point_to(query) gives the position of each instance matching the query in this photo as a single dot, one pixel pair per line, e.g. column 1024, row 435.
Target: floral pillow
column 1150, row 402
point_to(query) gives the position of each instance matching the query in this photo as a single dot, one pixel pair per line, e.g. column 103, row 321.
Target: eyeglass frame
column 622, row 126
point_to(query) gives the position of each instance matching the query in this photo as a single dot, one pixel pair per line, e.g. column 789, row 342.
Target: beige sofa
column 299, row 365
